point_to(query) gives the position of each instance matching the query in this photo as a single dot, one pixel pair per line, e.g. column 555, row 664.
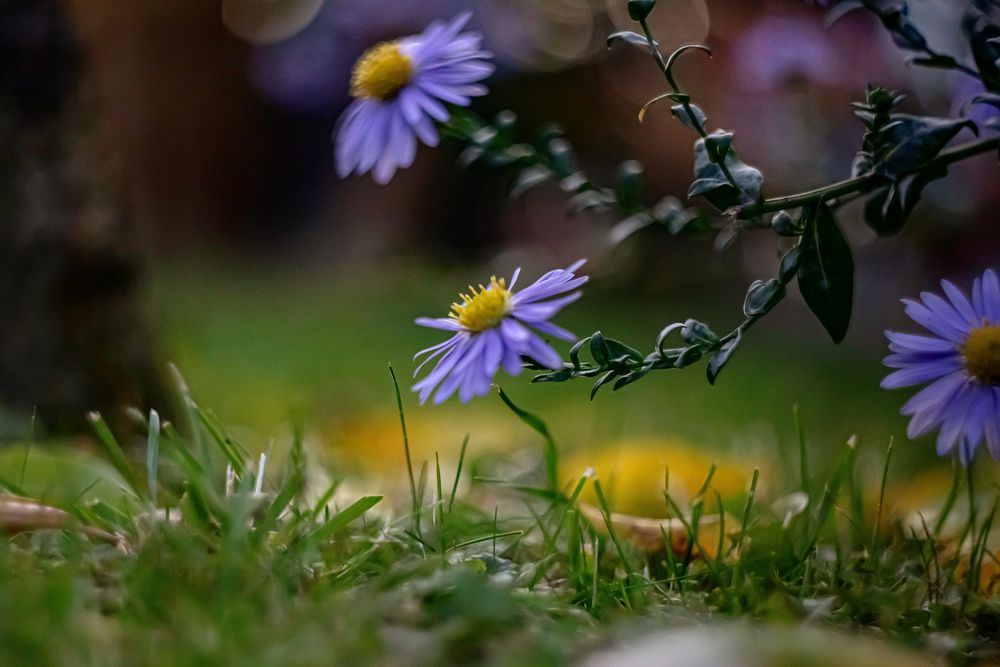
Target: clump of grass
column 209, row 558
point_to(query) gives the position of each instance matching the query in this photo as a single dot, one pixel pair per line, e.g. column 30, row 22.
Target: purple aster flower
column 400, row 90
column 962, row 363
column 493, row 327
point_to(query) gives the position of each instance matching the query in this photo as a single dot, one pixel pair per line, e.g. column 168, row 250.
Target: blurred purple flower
column 781, row 47
column 310, row 71
column 962, row 363
column 491, row 328
column 400, row 90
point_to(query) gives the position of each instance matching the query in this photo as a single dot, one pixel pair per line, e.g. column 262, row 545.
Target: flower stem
column 696, row 123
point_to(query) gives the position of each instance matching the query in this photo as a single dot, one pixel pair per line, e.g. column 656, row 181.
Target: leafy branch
column 895, row 17
column 862, row 184
column 900, row 155
column 551, row 158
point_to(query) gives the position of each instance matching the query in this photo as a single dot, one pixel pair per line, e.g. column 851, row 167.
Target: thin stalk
column 406, row 448
column 881, row 496
column 665, row 68
column 863, row 183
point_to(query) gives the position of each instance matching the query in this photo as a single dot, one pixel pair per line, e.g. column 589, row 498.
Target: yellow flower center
column 381, row 72
column 483, row 308
column 982, row 354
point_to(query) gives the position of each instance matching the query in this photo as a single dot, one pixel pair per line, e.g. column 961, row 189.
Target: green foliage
column 826, row 272
column 220, row 572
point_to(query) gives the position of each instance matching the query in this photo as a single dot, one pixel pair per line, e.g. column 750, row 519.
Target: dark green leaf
column 638, row 10
column 576, row 182
column 620, row 352
column 937, row 61
column 555, row 376
column 527, row 179
column 599, row 350
column 763, row 296
column 688, row 356
column 784, row 224
column 981, row 24
column 789, row 265
column 679, row 220
column 916, row 140
column 484, row 136
column 839, row 11
column 711, row 183
column 698, row 333
column 694, row 119
column 588, row 200
column 574, row 352
column 705, row 185
column 628, row 37
column 889, row 206
column 603, row 380
column 627, row 190
column 627, row 227
column 631, row 377
column 718, row 144
column 722, row 357
column 826, row 272
column 505, row 121
column 686, row 223
column 470, row 156
column 563, row 161
column 904, row 33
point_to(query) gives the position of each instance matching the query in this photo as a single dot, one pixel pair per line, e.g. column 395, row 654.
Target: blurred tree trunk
column 73, row 333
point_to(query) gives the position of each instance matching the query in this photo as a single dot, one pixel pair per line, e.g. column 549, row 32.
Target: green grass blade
column 950, row 499
column 344, row 517
column 751, row 495
column 840, row 473
column 153, row 455
column 415, row 503
column 458, row 473
column 803, row 451
column 118, row 458
column 612, row 533
column 486, row 538
column 188, row 405
column 881, row 496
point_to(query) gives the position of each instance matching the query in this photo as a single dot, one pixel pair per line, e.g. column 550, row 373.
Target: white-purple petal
column 436, row 351
column 540, row 351
column 912, row 342
column 954, row 420
column 553, row 330
column 444, row 323
column 961, row 303
column 991, row 297
column 537, row 312
column 928, row 405
column 920, row 373
column 952, row 330
column 905, row 359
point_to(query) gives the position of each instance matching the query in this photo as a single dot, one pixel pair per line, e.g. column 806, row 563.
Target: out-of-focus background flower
column 282, row 293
